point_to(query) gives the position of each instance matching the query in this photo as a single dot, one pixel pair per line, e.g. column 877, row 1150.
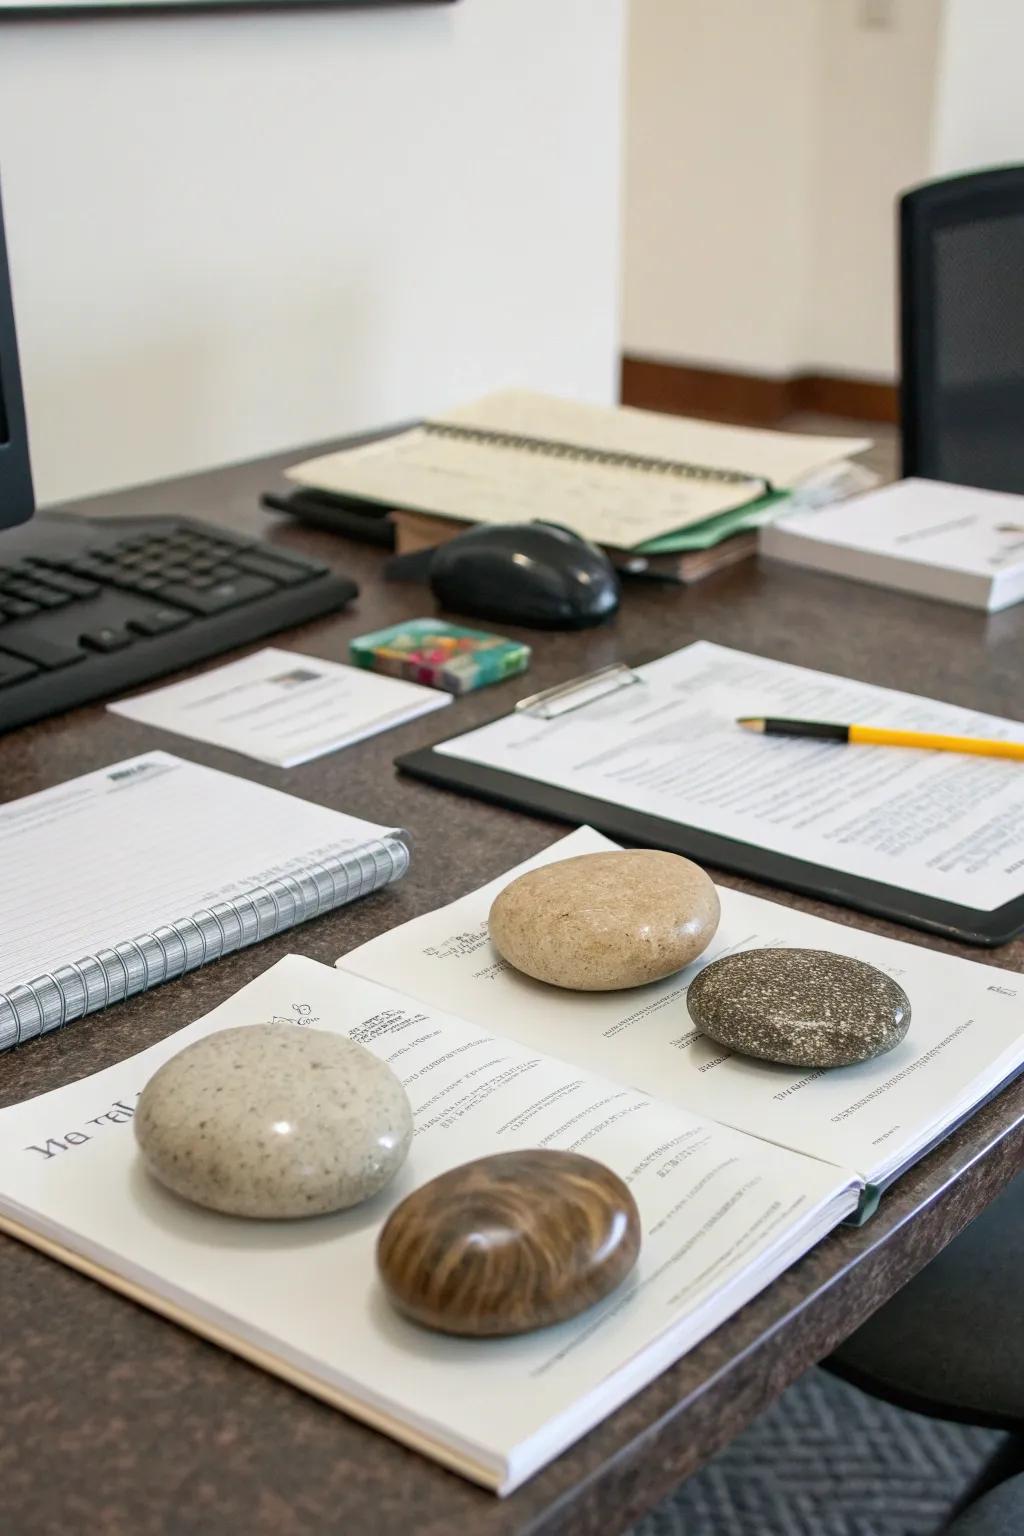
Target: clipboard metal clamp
column 578, row 692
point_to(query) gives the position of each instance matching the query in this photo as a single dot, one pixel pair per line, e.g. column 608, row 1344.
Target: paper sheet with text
column 933, row 823
column 282, row 708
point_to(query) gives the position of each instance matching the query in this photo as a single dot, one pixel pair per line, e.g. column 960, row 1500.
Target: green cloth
column 763, row 509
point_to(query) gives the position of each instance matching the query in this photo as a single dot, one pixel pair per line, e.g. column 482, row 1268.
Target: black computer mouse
column 536, row 574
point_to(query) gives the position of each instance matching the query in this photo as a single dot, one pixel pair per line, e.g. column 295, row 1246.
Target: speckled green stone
column 799, row 1007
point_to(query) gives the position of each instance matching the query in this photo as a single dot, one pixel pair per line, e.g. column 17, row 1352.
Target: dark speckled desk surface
column 116, row 1422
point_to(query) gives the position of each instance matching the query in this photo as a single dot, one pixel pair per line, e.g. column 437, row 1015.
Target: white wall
column 238, row 232
column 719, row 148
column 979, row 113
column 876, row 92
column 766, row 145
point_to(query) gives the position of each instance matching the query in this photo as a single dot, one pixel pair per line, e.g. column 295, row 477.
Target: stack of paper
column 953, row 542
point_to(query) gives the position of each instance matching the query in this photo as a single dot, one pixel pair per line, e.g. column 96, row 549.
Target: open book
column 738, row 1168
column 618, row 476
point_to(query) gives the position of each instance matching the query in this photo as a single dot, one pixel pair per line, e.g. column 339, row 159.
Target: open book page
column 935, row 823
column 966, row 1034
column 120, row 852
column 721, row 1216
column 479, row 482
column 780, row 458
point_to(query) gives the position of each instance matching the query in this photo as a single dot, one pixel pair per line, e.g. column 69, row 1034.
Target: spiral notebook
column 618, row 476
column 127, row 877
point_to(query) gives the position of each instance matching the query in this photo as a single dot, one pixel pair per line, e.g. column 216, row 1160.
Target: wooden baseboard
column 750, row 398
column 834, row 394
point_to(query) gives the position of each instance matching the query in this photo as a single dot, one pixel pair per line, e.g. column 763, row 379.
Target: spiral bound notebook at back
column 618, row 476
column 132, row 875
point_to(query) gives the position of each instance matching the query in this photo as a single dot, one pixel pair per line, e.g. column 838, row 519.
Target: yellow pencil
column 879, row 736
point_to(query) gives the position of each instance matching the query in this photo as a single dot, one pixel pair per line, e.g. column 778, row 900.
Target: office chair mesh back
column 962, row 311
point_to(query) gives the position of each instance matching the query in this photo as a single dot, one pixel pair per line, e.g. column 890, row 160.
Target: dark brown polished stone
column 509, row 1243
column 114, row 1421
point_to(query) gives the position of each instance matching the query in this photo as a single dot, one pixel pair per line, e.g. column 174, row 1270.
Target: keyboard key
column 17, row 607
column 88, row 569
column 158, row 621
column 175, row 573
column 48, row 654
column 108, row 639
column 285, row 572
column 131, row 581
column 33, row 592
column 303, row 562
column 13, row 669
column 74, row 586
column 226, row 594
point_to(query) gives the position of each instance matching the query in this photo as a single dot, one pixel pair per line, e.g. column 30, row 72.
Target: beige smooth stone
column 606, row 920
column 273, row 1121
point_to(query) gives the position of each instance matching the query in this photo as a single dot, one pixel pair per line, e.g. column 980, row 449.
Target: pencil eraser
column 440, row 655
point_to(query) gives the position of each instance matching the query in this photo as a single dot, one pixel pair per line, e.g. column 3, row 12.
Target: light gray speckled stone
column 274, row 1121
column 602, row 921
column 801, row 1007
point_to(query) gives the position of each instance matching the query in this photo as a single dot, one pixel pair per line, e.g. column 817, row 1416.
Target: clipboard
column 968, row 925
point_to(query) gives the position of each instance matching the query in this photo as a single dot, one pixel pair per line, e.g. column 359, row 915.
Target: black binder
column 966, row 924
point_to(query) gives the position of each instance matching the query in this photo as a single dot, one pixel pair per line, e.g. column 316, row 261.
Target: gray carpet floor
column 827, row 1460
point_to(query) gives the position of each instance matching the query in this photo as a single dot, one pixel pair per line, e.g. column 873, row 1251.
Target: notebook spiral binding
column 143, row 962
column 649, row 463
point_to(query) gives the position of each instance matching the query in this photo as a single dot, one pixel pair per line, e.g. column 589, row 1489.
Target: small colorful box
column 440, row 655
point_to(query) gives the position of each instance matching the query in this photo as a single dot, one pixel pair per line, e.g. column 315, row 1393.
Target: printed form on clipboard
column 653, row 754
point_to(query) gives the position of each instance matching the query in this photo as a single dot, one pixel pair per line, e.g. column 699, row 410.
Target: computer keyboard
column 89, row 609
